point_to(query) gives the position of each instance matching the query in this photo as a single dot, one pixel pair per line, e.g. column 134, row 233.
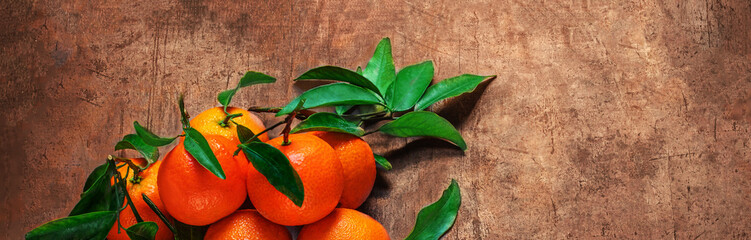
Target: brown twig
column 288, row 128
column 302, row 114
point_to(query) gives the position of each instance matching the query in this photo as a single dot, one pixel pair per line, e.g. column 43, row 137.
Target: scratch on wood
column 702, row 233
column 715, row 129
column 89, row 101
column 424, row 12
column 680, row 155
column 514, row 150
column 552, row 141
column 100, row 74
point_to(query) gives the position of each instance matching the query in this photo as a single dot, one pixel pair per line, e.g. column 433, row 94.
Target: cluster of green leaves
column 378, row 92
column 360, row 98
column 97, row 211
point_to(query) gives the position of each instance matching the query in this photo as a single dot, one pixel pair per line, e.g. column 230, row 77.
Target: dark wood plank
column 607, row 120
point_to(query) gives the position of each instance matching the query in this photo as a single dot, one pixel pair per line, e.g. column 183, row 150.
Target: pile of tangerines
column 337, row 170
column 225, row 172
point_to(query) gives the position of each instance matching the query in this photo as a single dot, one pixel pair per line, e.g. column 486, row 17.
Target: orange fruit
column 321, row 174
column 246, row 224
column 195, row 196
column 344, row 224
column 358, row 165
column 209, row 122
column 145, row 183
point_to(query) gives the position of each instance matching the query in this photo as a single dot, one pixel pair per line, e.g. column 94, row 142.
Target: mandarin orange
column 246, row 224
column 144, row 183
column 358, row 165
column 344, row 224
column 209, row 122
column 321, row 174
column 195, row 196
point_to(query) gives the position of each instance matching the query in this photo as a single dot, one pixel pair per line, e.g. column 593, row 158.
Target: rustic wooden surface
column 607, row 120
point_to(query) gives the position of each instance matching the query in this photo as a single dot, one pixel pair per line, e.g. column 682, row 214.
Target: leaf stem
column 225, row 122
column 369, row 132
column 366, row 114
column 265, row 109
column 259, row 134
column 380, row 118
column 136, row 169
column 158, row 213
column 265, row 130
column 130, row 201
column 301, row 114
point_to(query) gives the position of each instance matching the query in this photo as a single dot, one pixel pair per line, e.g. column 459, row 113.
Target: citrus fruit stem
column 225, row 122
column 288, row 128
column 264, row 131
column 136, row 169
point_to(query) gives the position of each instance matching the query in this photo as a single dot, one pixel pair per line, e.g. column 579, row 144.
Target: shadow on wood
column 457, row 110
column 402, row 157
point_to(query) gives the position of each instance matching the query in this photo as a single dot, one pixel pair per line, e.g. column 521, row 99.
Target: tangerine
column 344, row 224
column 210, row 122
column 145, row 183
column 246, row 224
column 195, row 196
column 321, row 174
column 358, row 165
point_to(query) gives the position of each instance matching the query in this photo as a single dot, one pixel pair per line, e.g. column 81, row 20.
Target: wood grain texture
column 625, row 119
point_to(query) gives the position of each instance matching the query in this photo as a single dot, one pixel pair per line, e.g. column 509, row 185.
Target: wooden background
column 627, row 119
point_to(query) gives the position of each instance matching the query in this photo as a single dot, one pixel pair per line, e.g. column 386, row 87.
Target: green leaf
column 275, row 166
column 250, row 78
column 338, row 74
column 150, row 138
column 199, row 148
column 189, row 232
column 380, row 69
column 133, row 141
column 434, row 220
column 331, row 95
column 184, row 118
column 95, row 175
column 100, row 195
column 359, row 70
column 93, row 225
column 158, row 212
column 382, row 161
column 341, row 109
column 450, row 87
column 409, row 86
column 244, row 133
column 424, row 124
column 142, row 231
column 330, row 122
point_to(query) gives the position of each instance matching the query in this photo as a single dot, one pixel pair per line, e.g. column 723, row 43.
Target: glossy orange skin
column 321, row 175
column 246, row 224
column 208, row 121
column 195, row 196
column 358, row 165
column 344, row 224
column 148, row 186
